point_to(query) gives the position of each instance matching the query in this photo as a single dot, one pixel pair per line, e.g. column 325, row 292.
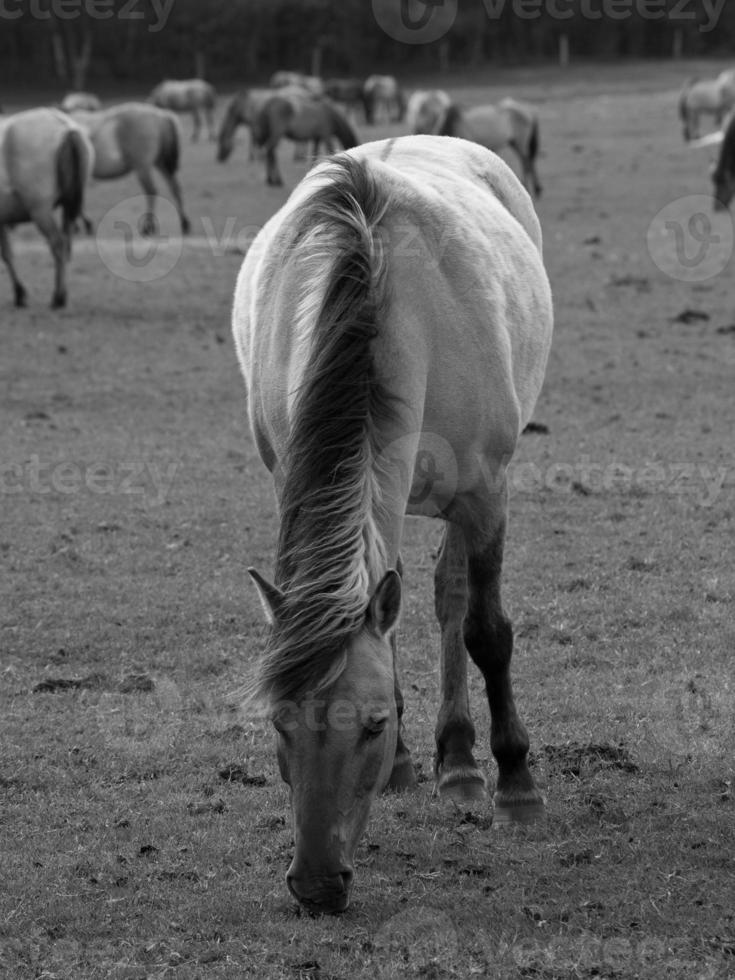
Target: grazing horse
column 706, row 97
column 299, row 119
column 136, row 137
column 361, row 360
column 242, row 110
column 80, row 100
column 348, row 92
column 190, row 95
column 425, row 111
column 510, row 123
column 383, row 99
column 45, row 162
column 285, row 79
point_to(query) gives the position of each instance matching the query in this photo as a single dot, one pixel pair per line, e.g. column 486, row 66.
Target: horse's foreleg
column 197, row 125
column 175, row 188
column 6, row 252
column 209, row 116
column 488, row 636
column 457, row 774
column 403, row 774
column 59, row 245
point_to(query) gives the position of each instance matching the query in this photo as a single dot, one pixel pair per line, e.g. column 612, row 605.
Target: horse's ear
column 271, row 596
column 385, row 605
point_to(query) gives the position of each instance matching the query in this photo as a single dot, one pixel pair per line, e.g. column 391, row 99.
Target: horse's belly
column 109, row 160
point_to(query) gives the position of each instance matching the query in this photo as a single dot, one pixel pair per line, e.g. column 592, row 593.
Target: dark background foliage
column 75, row 43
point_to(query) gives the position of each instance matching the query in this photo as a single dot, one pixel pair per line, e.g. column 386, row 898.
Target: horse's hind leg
column 196, row 115
column 6, row 253
column 175, row 188
column 457, row 774
column 59, row 245
column 403, row 774
column 148, row 223
column 488, row 636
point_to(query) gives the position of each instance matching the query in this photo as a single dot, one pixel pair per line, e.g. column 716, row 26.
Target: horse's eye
column 375, row 725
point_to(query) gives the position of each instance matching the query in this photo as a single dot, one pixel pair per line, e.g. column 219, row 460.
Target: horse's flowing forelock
column 329, row 545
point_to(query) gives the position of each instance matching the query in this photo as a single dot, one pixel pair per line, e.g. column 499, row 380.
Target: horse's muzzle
column 326, row 894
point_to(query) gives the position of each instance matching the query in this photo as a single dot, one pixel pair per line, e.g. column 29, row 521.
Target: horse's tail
column 277, row 110
column 343, row 130
column 169, row 149
column 449, row 124
column 368, row 103
column 534, row 140
column 72, row 172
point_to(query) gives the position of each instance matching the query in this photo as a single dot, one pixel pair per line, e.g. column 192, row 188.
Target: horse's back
column 464, row 251
column 487, row 125
column 464, row 336
column 126, row 136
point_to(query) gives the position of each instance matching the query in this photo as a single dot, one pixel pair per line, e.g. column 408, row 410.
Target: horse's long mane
column 329, row 544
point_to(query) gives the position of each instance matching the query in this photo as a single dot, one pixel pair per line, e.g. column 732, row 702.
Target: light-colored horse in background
column 511, row 124
column 384, row 100
column 426, row 110
column 359, row 357
column 80, row 100
column 713, row 97
column 45, row 162
column 192, row 95
column 285, row 79
column 138, row 138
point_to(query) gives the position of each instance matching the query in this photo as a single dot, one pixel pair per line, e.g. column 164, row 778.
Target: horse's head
column 335, row 750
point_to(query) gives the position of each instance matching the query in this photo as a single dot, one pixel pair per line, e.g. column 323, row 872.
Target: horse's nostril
column 347, row 877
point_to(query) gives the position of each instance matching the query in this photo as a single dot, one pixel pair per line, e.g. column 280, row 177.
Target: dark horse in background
column 299, row 119
column 349, row 93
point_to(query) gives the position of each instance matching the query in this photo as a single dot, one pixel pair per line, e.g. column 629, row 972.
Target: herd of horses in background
column 48, row 154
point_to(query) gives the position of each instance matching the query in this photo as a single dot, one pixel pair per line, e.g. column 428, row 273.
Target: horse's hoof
column 526, row 807
column 148, row 225
column 58, row 301
column 185, row 226
column 462, row 785
column 21, row 299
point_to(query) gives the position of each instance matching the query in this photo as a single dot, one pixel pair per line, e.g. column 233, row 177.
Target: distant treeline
column 76, row 43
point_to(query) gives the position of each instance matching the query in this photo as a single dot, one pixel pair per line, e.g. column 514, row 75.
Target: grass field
column 144, row 830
